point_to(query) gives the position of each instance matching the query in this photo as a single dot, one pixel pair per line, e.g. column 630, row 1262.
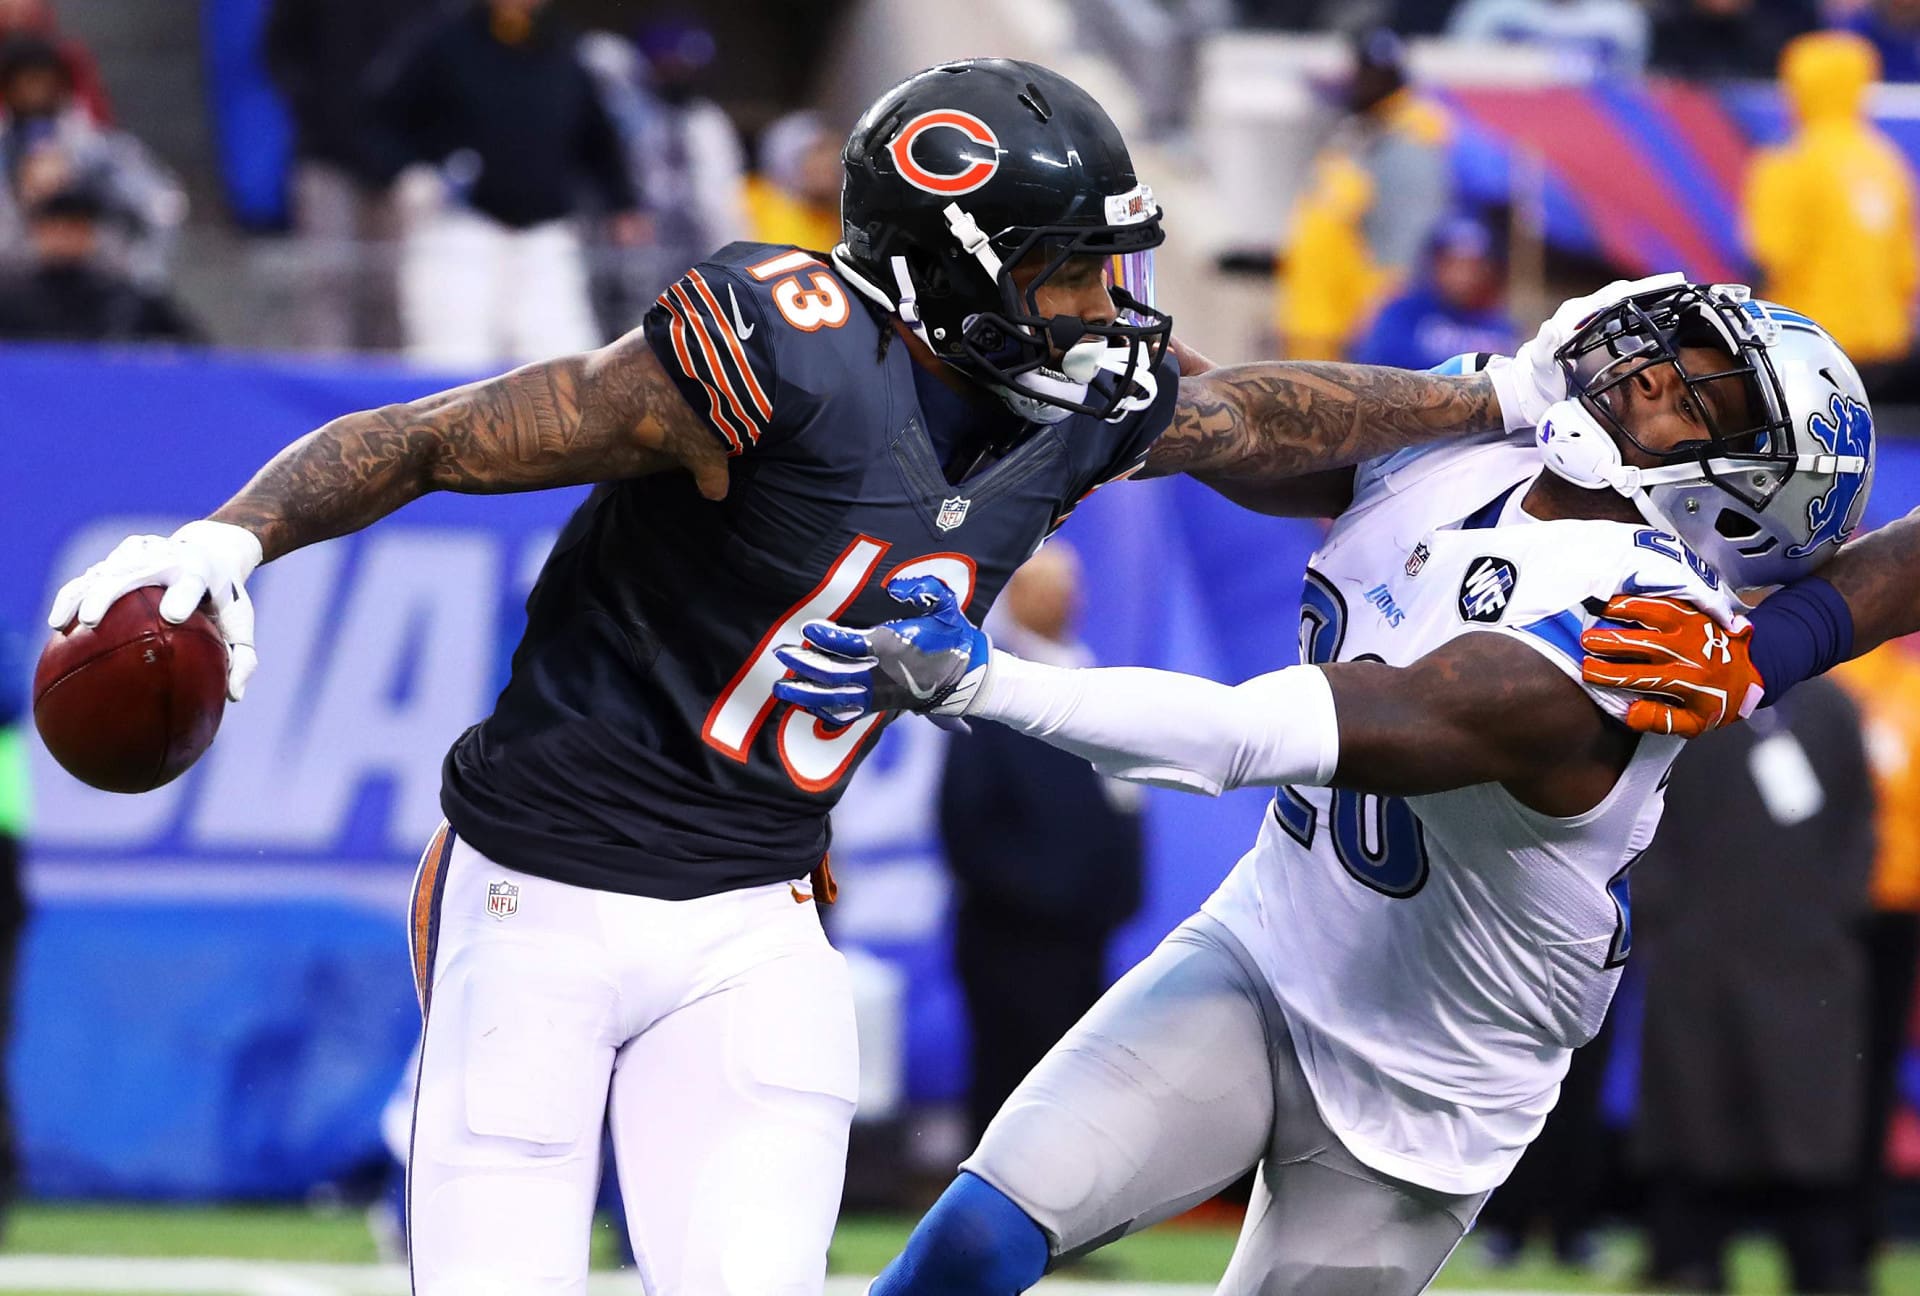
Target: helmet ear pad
column 1575, row 446
column 952, row 285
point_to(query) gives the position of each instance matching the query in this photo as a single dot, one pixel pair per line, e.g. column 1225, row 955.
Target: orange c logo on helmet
column 976, row 173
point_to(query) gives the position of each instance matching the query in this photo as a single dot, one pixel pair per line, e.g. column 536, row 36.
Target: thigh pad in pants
column 1157, row 1099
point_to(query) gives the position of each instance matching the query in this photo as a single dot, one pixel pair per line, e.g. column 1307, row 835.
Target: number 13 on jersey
column 815, row 756
column 818, row 303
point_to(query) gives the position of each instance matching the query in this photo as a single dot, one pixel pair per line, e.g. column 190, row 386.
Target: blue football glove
column 931, row 662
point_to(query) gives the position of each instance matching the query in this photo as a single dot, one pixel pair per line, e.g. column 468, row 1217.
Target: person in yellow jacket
column 1886, row 684
column 1829, row 214
column 1328, row 283
column 795, row 195
column 1376, row 195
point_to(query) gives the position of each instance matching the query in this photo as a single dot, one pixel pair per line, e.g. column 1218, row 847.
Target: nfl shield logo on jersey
column 952, row 513
column 1418, row 558
column 503, row 899
column 1485, row 591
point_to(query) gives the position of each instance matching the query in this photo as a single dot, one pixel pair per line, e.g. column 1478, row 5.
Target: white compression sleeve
column 1168, row 729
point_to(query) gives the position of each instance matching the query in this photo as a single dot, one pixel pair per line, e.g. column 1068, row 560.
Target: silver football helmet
column 1763, row 503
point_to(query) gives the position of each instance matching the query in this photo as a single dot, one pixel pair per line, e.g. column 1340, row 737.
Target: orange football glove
column 1698, row 675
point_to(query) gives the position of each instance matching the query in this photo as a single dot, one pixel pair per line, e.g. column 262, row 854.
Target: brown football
column 128, row 705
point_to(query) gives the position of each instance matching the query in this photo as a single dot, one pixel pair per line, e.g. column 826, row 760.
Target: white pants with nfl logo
column 715, row 1037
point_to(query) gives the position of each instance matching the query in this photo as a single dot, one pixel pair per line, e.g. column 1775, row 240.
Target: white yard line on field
column 206, row 1277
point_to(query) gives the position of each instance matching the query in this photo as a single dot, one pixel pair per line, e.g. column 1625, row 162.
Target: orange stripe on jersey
column 426, row 890
column 712, row 353
column 760, row 400
column 678, row 332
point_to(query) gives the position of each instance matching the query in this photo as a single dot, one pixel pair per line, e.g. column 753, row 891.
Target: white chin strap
column 1576, row 447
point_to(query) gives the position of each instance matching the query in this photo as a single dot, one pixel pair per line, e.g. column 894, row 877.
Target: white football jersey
column 1438, row 957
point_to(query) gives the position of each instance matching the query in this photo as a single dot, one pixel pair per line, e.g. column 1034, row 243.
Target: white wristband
column 1511, row 387
column 1168, row 729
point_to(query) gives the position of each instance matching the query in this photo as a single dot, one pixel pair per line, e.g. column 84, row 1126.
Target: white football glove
column 210, row 560
column 1532, row 381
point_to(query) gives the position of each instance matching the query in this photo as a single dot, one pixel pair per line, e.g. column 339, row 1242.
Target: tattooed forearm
column 598, row 417
column 1266, row 422
column 1879, row 577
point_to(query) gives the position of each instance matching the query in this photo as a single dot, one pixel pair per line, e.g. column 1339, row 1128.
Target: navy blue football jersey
column 637, row 746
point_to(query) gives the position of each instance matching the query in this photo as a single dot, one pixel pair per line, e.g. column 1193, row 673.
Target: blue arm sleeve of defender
column 1800, row 631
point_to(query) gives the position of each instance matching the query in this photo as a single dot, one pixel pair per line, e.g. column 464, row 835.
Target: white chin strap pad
column 1576, row 447
column 1033, row 396
column 1083, row 361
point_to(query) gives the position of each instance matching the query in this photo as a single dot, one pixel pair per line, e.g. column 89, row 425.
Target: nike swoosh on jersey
column 741, row 329
column 1632, row 586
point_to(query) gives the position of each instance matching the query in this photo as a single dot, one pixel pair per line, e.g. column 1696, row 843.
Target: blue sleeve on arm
column 1801, row 631
column 1465, row 363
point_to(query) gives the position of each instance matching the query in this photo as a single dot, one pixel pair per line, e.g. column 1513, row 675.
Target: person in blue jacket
column 1457, row 304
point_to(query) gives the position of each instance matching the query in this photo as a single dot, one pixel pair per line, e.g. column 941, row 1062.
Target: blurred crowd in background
column 474, row 183
column 481, row 182
column 1386, row 266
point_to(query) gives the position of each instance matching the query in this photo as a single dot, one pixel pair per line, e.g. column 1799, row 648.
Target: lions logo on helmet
column 1846, row 428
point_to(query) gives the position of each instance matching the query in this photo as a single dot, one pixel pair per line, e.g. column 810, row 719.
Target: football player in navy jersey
column 614, row 926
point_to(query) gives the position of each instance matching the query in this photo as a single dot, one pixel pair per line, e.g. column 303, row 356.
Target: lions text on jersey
column 637, row 746
column 1438, row 957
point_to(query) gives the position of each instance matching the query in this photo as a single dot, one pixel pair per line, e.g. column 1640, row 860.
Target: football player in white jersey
column 1378, row 1005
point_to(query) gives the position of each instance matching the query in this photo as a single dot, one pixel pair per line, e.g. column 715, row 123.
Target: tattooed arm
column 1262, row 433
column 1279, row 437
column 1879, row 577
column 601, row 416
column 605, row 415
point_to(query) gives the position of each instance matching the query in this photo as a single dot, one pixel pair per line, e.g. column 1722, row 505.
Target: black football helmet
column 964, row 171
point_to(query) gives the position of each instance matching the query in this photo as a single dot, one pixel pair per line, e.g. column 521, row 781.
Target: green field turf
column 1172, row 1253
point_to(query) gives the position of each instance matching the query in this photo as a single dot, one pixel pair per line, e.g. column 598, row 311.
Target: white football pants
column 475, row 293
column 715, row 1036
